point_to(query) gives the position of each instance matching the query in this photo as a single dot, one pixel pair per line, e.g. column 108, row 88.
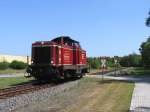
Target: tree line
column 145, row 48
column 131, row 60
column 13, row 65
column 144, row 58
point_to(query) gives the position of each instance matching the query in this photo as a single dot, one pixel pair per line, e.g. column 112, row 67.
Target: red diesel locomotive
column 59, row 58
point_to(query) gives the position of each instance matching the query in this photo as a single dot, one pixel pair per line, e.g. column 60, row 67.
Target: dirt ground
column 90, row 95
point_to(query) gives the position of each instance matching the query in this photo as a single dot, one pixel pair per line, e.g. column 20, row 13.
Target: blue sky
column 104, row 27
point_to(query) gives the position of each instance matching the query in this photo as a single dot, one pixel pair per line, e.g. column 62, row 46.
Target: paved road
column 141, row 95
column 11, row 75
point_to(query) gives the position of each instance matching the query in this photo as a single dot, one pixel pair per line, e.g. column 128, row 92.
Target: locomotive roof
column 65, row 38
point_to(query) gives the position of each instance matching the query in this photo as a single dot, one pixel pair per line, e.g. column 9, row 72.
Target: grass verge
column 138, row 72
column 11, row 71
column 8, row 82
column 106, row 96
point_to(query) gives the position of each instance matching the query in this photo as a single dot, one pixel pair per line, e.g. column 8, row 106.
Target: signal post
column 103, row 65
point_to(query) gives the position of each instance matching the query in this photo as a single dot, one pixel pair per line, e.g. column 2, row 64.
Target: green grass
column 8, row 82
column 139, row 72
column 11, row 71
column 103, row 96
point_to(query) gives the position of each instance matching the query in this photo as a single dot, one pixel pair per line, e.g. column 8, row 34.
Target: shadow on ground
column 42, row 82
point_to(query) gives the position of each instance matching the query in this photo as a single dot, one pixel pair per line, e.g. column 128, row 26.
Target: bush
column 4, row 65
column 145, row 52
column 95, row 64
column 110, row 62
column 132, row 60
column 18, row 65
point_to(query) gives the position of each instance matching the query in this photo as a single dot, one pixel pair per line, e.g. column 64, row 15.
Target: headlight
column 52, row 62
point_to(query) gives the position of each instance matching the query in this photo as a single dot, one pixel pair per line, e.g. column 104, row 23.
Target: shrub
column 95, row 64
column 18, row 65
column 145, row 52
column 4, row 65
column 132, row 60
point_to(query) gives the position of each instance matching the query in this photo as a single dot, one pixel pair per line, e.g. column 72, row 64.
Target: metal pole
column 28, row 60
column 102, row 73
column 115, row 70
column 115, row 61
column 89, row 65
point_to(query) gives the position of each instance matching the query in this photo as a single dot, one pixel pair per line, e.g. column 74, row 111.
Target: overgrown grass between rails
column 8, row 82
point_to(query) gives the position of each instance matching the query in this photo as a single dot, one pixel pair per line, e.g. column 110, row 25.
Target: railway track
column 105, row 72
column 30, row 87
column 22, row 89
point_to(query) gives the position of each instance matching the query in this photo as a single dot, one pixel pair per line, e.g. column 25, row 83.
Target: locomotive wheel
column 67, row 75
column 81, row 75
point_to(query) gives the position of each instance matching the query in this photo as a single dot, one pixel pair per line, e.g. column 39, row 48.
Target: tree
column 148, row 21
column 145, row 51
column 132, row 60
column 110, row 62
column 135, row 60
column 17, row 65
column 4, row 65
column 124, row 61
column 145, row 48
column 95, row 63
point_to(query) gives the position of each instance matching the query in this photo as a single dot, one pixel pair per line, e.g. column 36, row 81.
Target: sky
column 103, row 27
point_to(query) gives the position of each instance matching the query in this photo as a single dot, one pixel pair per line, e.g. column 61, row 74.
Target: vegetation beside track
column 95, row 62
column 90, row 95
column 13, row 67
column 138, row 72
column 12, row 71
column 99, row 70
column 106, row 96
column 9, row 82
